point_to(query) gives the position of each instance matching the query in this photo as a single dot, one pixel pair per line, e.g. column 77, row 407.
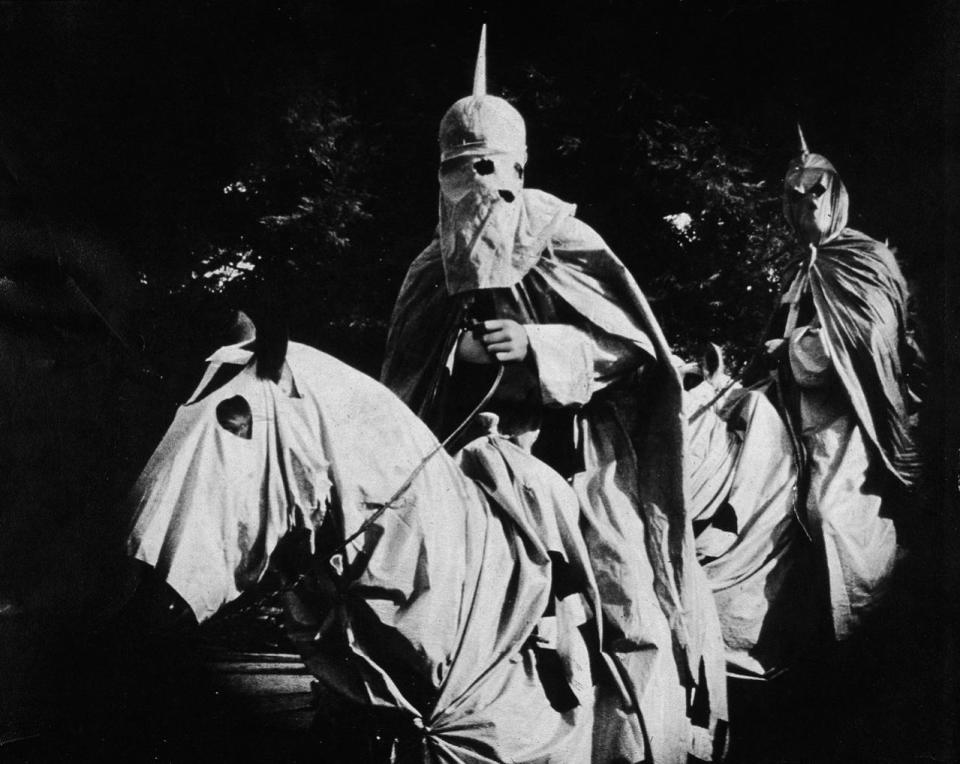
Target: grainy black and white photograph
column 486, row 382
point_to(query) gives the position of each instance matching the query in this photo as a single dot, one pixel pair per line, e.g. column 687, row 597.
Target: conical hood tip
column 804, row 149
column 480, row 72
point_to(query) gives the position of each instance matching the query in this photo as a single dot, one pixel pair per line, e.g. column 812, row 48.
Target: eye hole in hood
column 484, row 167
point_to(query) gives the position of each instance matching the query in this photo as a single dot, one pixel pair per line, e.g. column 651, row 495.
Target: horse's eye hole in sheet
column 234, row 415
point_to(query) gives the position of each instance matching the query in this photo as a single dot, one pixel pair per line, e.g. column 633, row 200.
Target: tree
column 686, row 211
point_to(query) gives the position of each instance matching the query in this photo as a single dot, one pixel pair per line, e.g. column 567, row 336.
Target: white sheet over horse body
column 743, row 488
column 456, row 580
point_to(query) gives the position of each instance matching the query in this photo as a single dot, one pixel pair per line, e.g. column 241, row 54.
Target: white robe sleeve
column 574, row 363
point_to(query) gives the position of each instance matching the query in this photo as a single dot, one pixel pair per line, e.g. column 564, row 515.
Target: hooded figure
column 809, row 451
column 512, row 278
column 841, row 335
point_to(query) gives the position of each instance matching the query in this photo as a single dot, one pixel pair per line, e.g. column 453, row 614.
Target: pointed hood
column 481, row 124
column 804, row 170
column 804, row 151
column 480, row 68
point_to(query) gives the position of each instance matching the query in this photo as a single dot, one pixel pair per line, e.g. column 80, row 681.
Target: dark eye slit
column 483, row 167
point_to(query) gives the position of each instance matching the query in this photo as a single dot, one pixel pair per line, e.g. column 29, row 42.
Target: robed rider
column 513, row 279
column 842, row 353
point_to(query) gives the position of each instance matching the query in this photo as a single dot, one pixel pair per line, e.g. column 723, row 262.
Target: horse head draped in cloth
column 438, row 602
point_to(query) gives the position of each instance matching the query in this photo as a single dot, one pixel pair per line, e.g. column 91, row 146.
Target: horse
column 451, row 600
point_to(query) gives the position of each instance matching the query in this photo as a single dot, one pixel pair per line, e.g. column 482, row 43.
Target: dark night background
column 146, row 148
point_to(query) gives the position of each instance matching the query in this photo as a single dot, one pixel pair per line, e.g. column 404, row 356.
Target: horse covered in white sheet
column 441, row 607
column 743, row 478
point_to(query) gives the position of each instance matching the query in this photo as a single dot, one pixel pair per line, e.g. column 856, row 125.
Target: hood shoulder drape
column 861, row 299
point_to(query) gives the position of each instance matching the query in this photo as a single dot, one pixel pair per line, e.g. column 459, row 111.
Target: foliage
column 306, row 217
column 723, row 248
column 686, row 211
column 290, row 212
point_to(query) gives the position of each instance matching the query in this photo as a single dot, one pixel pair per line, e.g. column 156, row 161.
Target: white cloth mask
column 483, row 233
